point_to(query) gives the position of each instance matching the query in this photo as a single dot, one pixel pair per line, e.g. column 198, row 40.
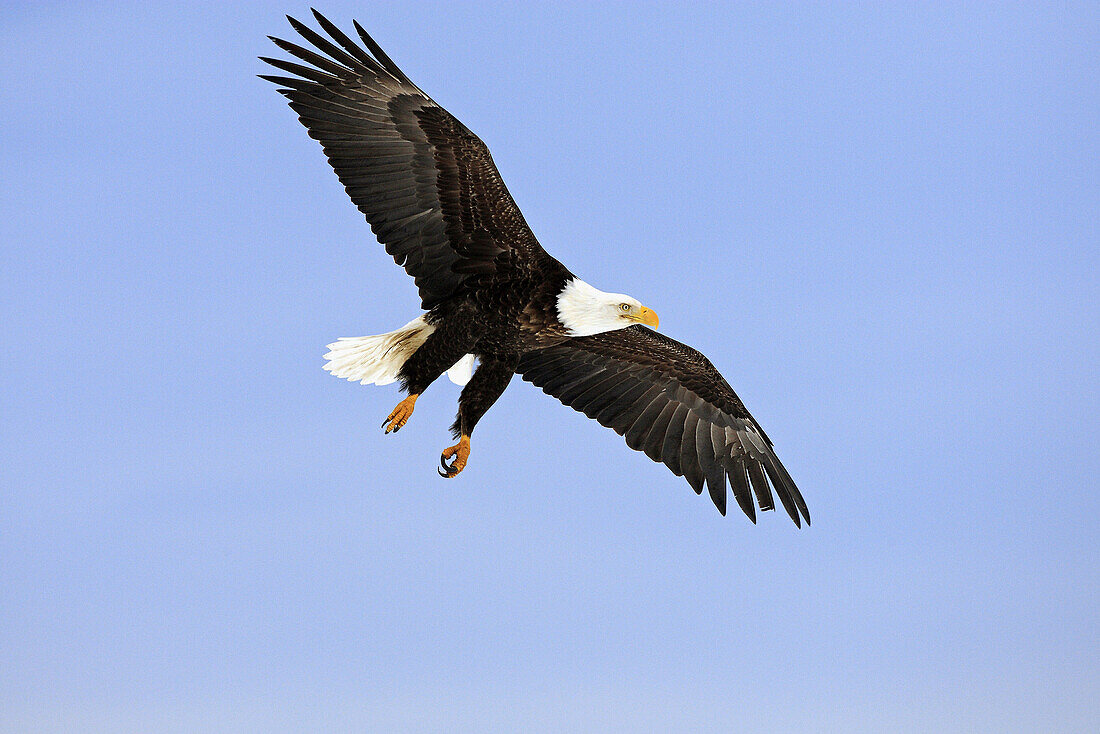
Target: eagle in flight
column 432, row 195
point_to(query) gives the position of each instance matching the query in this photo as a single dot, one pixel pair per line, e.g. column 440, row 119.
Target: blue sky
column 879, row 221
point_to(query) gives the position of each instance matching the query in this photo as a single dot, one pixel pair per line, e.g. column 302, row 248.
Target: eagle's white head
column 585, row 310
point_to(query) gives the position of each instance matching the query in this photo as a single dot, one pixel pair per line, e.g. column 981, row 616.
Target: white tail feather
column 462, row 371
column 378, row 359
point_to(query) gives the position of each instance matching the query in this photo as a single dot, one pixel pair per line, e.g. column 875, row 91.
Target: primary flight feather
column 432, row 195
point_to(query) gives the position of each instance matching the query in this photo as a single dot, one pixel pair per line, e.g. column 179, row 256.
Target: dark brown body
column 497, row 321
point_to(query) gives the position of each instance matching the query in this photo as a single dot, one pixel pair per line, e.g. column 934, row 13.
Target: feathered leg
column 487, row 384
column 451, row 339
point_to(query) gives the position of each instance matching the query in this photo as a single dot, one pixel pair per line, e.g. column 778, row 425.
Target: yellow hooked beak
column 648, row 317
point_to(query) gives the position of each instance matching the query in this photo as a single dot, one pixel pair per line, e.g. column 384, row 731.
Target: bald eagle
column 432, row 195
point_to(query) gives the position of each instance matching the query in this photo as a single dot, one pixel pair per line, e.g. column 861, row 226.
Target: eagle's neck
column 585, row 310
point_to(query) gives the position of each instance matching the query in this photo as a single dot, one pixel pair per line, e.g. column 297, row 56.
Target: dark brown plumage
column 432, row 195
column 427, row 185
column 669, row 401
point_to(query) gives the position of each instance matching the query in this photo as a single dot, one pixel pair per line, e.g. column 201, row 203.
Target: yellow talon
column 460, row 452
column 400, row 415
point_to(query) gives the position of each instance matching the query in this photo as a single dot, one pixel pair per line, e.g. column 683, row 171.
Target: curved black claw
column 448, row 471
column 460, row 452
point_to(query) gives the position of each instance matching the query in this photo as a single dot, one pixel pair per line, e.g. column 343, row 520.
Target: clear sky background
column 879, row 221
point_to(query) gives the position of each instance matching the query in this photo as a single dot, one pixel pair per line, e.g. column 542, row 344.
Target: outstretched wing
column 427, row 185
column 669, row 401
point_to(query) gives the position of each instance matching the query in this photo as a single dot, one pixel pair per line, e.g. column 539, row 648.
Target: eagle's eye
column 624, row 307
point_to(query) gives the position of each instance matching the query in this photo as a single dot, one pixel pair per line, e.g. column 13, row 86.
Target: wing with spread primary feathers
column 427, row 185
column 669, row 401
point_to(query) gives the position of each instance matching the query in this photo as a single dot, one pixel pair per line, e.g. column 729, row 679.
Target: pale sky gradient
column 880, row 221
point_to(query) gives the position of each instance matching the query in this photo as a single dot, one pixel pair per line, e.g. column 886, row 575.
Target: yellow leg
column 460, row 452
column 400, row 415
